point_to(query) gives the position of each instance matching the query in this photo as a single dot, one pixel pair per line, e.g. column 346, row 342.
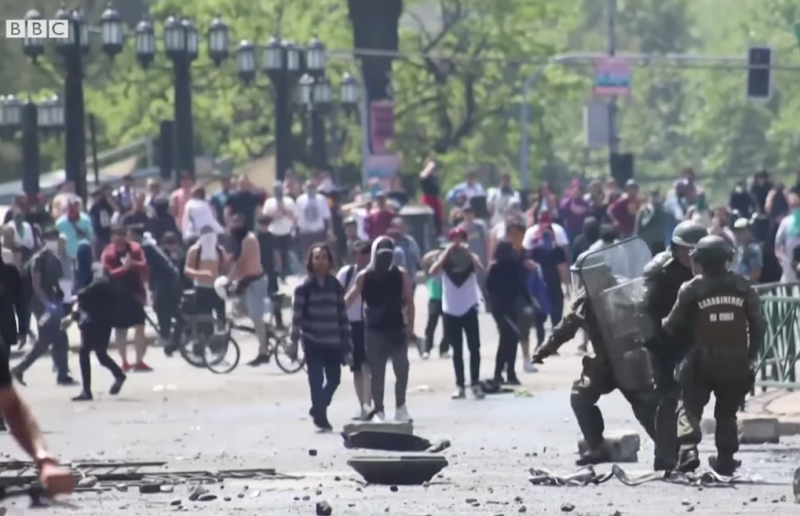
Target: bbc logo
column 44, row 29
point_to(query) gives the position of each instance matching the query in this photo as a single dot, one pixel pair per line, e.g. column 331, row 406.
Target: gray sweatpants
column 382, row 346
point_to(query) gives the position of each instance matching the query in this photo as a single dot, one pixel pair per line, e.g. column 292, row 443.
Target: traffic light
column 759, row 73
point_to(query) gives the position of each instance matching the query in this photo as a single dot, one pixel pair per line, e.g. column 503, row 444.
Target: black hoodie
column 14, row 303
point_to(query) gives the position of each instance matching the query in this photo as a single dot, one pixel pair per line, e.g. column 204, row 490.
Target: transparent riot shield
column 611, row 278
column 626, row 327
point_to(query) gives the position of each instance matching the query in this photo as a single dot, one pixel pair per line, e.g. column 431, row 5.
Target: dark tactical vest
column 720, row 329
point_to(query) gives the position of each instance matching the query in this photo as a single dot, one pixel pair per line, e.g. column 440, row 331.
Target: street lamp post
column 30, row 118
column 182, row 46
column 316, row 98
column 288, row 65
column 72, row 49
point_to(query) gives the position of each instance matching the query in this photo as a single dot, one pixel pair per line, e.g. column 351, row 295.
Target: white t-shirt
column 26, row 238
column 197, row 214
column 311, row 213
column 281, row 224
column 354, row 312
column 360, row 214
column 499, row 202
column 558, row 232
column 457, row 301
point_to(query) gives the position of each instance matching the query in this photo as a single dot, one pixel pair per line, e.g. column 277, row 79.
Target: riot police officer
column 719, row 310
column 597, row 375
column 663, row 276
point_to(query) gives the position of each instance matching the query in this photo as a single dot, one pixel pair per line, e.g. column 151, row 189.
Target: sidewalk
column 767, row 417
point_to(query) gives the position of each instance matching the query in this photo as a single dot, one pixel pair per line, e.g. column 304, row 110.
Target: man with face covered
column 663, row 276
column 251, row 287
column 460, row 299
column 385, row 290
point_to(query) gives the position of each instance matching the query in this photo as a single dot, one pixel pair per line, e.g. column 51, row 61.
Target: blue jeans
column 324, row 367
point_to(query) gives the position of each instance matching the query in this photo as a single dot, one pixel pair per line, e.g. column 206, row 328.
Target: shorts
column 128, row 313
column 359, row 351
column 254, row 296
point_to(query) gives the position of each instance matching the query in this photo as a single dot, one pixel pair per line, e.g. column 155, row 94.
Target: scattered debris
column 324, row 509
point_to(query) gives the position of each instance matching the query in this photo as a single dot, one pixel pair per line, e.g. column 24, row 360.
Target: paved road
column 257, row 418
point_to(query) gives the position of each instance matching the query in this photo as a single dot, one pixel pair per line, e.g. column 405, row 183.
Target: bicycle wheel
column 289, row 362
column 192, row 350
column 222, row 355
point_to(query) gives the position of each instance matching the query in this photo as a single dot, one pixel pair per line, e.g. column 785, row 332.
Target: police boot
column 724, row 465
column 597, row 455
column 688, row 460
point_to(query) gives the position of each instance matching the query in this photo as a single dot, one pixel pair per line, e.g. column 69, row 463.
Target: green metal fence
column 777, row 361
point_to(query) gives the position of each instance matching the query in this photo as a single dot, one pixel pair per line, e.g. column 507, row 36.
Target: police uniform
column 663, row 277
column 721, row 313
column 597, row 379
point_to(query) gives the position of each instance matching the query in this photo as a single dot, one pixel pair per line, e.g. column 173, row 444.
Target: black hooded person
column 512, row 307
column 14, row 312
column 94, row 315
column 388, row 299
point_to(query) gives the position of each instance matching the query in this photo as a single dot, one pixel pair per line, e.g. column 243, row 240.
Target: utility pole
column 611, row 35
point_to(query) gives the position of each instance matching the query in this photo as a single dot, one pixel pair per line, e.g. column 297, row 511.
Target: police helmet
column 688, row 233
column 712, row 249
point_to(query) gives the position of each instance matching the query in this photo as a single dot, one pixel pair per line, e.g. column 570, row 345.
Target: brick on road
column 253, row 418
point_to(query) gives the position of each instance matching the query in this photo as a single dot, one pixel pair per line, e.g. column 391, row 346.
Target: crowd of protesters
column 500, row 249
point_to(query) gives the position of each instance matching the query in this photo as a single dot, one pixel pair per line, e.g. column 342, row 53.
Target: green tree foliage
column 458, row 89
column 461, row 100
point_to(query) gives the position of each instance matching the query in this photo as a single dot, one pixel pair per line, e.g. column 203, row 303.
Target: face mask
column 51, row 245
column 383, row 260
column 208, row 240
column 506, row 190
column 311, row 191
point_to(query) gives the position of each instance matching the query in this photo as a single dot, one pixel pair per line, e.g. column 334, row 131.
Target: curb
column 757, row 430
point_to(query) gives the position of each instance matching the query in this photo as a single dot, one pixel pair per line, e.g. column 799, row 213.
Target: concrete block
column 788, row 427
column 759, row 430
column 623, row 446
column 386, row 426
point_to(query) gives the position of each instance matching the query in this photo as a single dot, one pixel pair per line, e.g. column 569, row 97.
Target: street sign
column 612, row 77
column 595, row 124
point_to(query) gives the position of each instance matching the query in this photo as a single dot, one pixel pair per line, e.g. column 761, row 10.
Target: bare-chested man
column 205, row 262
column 252, row 287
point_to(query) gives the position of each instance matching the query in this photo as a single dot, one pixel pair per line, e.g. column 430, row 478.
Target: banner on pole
column 612, row 77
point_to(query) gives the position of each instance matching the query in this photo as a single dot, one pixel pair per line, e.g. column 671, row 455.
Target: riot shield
column 625, row 327
column 611, row 278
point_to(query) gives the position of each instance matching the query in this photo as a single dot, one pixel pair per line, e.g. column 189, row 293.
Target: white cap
column 741, row 223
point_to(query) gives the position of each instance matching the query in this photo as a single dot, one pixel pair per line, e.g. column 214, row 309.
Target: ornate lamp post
column 288, row 66
column 30, row 118
column 72, row 50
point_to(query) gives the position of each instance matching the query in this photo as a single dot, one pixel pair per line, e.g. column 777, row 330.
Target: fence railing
column 777, row 360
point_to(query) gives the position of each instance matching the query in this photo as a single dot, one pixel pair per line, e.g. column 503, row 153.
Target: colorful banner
column 381, row 125
column 612, row 77
column 383, row 170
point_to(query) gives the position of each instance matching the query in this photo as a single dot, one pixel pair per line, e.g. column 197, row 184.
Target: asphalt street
column 257, row 418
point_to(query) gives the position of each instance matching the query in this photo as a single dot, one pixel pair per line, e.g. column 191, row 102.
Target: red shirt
column 127, row 268
column 624, row 211
column 378, row 223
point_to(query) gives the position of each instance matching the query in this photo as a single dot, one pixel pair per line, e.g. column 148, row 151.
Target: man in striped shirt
column 319, row 319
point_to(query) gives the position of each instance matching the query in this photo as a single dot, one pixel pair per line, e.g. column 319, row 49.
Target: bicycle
column 206, row 341
column 37, row 494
